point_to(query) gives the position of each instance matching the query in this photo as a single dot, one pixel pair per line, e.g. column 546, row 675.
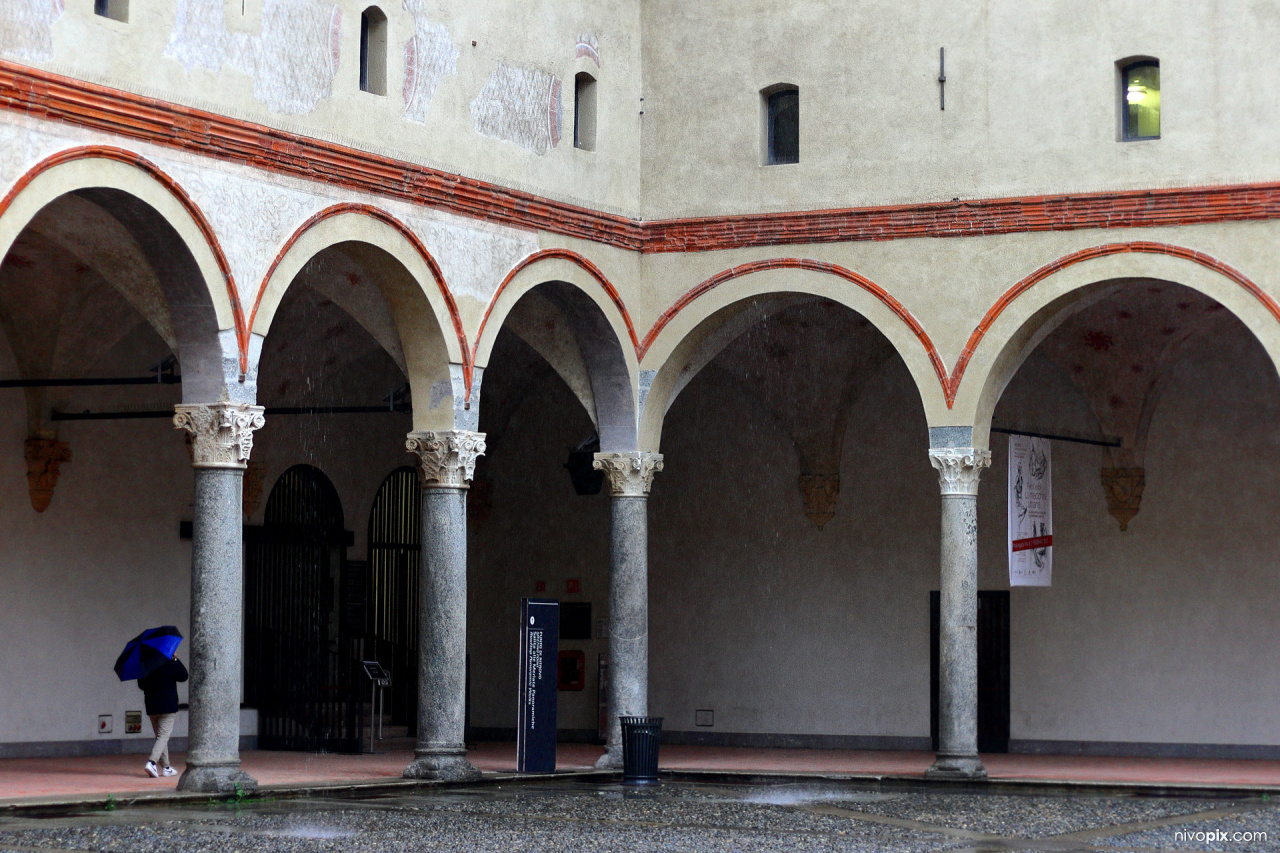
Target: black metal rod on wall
column 279, row 410
column 1097, row 442
column 162, row 379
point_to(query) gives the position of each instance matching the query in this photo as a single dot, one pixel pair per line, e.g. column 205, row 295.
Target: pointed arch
column 593, row 349
column 704, row 320
column 199, row 288
column 1033, row 307
column 424, row 311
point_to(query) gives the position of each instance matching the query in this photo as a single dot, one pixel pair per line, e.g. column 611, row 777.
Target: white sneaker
column 150, row 767
column 168, row 771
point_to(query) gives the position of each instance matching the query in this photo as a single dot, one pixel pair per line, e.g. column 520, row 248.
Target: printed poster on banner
column 1030, row 511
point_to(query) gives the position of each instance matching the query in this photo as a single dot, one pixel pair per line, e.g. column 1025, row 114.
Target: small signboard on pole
column 1030, row 511
column 536, row 726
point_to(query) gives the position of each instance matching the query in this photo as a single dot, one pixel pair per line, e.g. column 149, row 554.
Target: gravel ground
column 582, row 818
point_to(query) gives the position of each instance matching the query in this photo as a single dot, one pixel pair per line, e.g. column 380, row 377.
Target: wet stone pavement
column 581, row 816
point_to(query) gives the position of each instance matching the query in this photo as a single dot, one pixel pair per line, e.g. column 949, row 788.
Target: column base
column 962, row 767
column 611, row 760
column 442, row 767
column 217, row 779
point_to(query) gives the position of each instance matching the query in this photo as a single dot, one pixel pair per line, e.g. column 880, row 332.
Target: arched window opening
column 781, row 108
column 301, row 660
column 373, row 51
column 1140, row 99
column 584, row 112
column 117, row 10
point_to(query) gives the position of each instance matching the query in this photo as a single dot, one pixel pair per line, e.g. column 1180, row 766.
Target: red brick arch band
column 404, row 231
column 951, row 385
column 120, row 155
column 801, row 264
column 565, row 255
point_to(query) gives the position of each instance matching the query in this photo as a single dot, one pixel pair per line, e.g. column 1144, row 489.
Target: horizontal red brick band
column 60, row 98
column 1119, row 209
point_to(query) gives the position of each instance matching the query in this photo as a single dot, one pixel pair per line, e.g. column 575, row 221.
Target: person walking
column 160, row 687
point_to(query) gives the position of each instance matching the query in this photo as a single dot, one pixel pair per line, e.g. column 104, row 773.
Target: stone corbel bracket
column 1123, row 487
column 44, row 462
column 630, row 475
column 221, row 433
column 959, row 468
column 446, row 458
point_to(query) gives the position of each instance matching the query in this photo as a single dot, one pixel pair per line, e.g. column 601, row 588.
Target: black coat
column 161, row 687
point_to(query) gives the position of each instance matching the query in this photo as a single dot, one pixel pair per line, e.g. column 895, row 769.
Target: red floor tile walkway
column 74, row 778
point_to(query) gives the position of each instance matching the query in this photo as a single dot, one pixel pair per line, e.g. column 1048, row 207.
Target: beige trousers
column 162, row 725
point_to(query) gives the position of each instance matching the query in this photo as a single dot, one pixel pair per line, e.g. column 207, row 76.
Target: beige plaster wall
column 1031, row 100
column 294, row 64
column 102, row 563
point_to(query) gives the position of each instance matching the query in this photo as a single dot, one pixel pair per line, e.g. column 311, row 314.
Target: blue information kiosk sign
column 536, row 728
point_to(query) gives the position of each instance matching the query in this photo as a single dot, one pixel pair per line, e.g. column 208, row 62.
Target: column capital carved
column 959, row 468
column 630, row 475
column 446, row 458
column 221, row 433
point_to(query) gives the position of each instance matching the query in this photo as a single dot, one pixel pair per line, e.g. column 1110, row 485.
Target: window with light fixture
column 1140, row 89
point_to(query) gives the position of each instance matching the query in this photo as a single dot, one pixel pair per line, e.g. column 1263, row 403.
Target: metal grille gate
column 300, row 666
column 395, row 543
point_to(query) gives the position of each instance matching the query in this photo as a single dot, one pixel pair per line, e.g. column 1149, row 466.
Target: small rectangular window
column 373, row 51
column 584, row 112
column 782, row 127
column 117, row 10
column 1140, row 88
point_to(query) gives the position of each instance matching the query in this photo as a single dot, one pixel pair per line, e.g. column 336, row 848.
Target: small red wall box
column 539, row 586
column 573, row 586
column 572, row 671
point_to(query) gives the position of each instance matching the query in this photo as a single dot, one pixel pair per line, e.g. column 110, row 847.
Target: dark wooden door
column 993, row 669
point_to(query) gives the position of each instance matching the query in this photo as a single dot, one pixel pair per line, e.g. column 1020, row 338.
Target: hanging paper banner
column 1030, row 511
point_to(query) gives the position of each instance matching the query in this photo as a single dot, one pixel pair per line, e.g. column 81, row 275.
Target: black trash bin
column 640, row 749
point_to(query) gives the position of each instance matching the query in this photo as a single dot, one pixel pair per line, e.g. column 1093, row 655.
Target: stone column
column 630, row 475
column 222, row 438
column 958, row 472
column 446, row 463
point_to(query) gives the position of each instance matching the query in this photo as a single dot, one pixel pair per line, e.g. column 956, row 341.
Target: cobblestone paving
column 584, row 817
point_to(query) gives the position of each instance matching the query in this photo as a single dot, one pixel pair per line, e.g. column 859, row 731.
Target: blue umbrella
column 147, row 652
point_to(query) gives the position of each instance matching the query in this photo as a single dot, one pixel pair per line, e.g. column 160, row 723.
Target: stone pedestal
column 222, row 438
column 446, row 463
column 629, row 475
column 958, row 472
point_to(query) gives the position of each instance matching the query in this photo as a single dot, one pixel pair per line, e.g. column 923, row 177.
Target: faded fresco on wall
column 292, row 61
column 251, row 218
column 520, row 105
column 428, row 56
column 25, row 28
column 473, row 259
column 587, row 48
column 20, row 149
